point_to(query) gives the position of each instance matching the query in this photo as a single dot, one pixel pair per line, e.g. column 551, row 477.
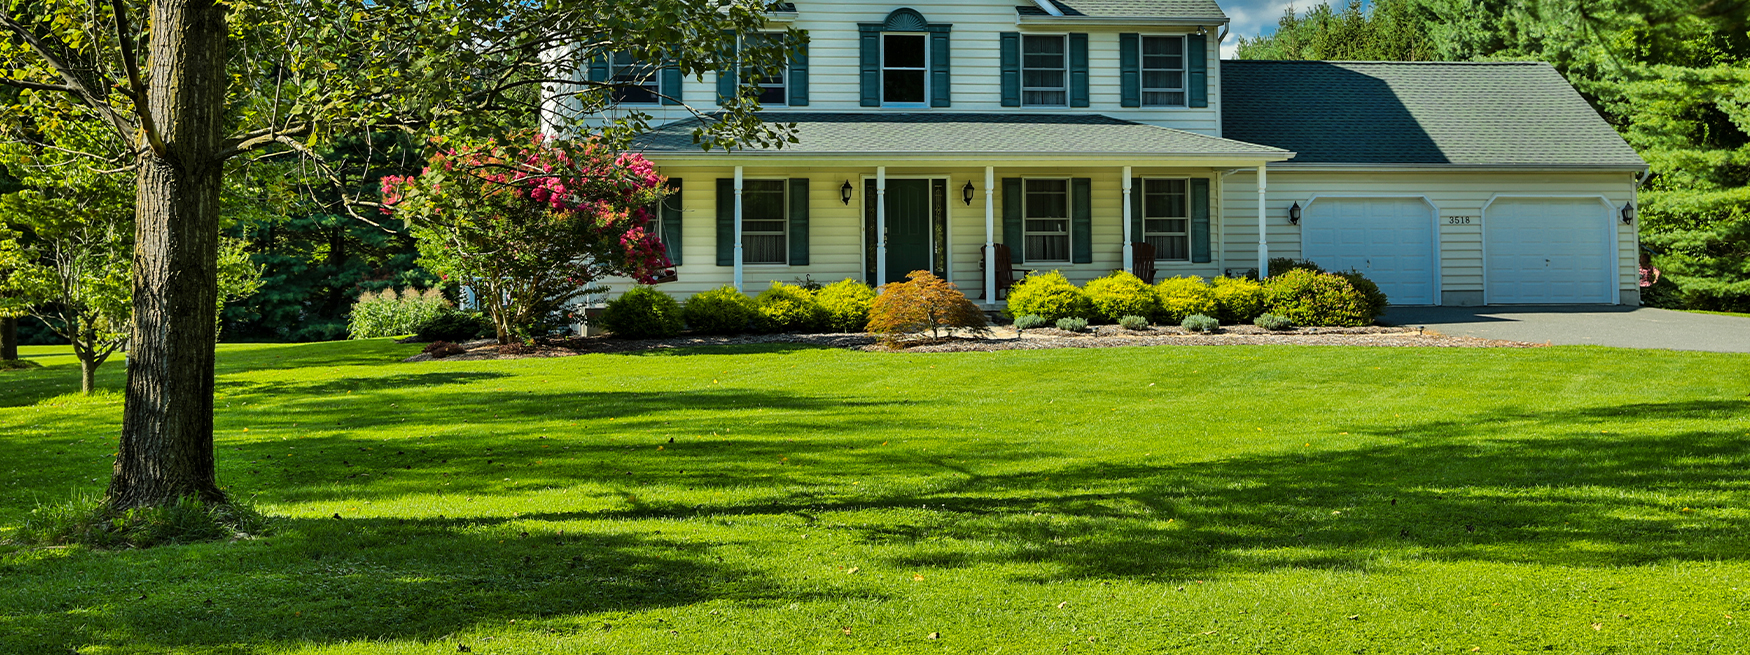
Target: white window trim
column 925, row 103
column 1069, row 232
column 1064, row 37
column 740, row 43
column 1184, row 72
column 1187, row 217
column 786, row 221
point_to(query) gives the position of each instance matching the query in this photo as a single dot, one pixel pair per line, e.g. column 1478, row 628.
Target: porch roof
column 943, row 135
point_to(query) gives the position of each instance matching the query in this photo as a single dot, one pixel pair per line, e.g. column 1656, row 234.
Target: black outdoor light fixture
column 845, row 192
column 1628, row 213
column 1294, row 214
column 966, row 193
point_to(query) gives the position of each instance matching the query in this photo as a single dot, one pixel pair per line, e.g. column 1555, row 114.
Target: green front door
column 908, row 228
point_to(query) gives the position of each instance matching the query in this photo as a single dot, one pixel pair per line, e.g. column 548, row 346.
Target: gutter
column 1122, row 21
column 863, row 158
column 1517, row 168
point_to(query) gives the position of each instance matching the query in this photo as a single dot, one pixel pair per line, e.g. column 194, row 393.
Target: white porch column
column 880, row 227
column 1263, row 228
column 990, row 244
column 1129, row 257
column 738, row 228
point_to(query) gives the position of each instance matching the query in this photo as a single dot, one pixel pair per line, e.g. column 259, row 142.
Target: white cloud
column 1253, row 18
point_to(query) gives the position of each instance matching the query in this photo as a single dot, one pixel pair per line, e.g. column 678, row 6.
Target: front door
column 908, row 228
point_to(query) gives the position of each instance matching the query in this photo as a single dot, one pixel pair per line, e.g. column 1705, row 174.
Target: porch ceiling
column 1042, row 138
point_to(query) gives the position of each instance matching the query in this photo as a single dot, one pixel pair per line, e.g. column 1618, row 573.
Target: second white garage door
column 1390, row 240
column 1547, row 251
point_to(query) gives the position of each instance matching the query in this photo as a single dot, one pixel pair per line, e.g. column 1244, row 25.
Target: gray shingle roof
column 947, row 133
column 1130, row 9
column 1481, row 113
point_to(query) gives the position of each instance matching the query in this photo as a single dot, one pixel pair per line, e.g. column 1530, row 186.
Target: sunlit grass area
column 782, row 499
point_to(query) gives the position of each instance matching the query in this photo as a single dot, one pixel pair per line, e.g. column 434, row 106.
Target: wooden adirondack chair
column 1143, row 256
column 1007, row 274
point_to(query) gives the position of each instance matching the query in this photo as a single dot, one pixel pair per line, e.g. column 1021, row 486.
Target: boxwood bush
column 1316, row 299
column 722, row 310
column 643, row 313
column 1122, row 294
column 1184, row 296
column 847, row 305
column 1237, row 300
column 456, row 325
column 1051, row 296
column 790, row 308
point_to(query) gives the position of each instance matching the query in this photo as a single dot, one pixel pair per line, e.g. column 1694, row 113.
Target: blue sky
column 1253, row 17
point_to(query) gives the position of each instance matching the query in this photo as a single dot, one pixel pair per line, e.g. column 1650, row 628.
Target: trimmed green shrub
column 1122, row 294
column 1049, row 295
column 1184, row 296
column 847, row 305
column 1073, row 324
column 790, row 308
column 1200, row 323
column 1030, row 321
column 456, row 325
column 1376, row 300
column 722, row 310
column 1237, row 300
column 1134, row 323
column 643, row 313
column 390, row 314
column 1273, row 322
column 1320, row 299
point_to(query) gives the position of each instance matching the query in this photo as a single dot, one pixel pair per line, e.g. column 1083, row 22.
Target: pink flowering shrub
column 531, row 223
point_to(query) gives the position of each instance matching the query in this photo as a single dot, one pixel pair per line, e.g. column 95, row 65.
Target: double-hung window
column 1047, row 220
column 1044, row 71
column 1163, row 71
column 904, row 69
column 1166, row 218
column 635, row 81
column 765, row 220
column 771, row 80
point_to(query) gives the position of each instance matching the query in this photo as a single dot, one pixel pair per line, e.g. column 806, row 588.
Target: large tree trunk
column 167, row 423
column 8, row 338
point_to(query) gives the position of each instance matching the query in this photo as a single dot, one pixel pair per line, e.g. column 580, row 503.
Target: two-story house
column 1074, row 131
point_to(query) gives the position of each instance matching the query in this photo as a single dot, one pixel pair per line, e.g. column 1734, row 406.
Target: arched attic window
column 904, row 61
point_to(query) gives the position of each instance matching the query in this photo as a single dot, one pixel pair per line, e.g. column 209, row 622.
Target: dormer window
column 904, row 69
column 1163, row 71
column 1044, row 71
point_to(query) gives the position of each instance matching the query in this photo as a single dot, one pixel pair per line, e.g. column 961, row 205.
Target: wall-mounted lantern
column 1628, row 213
column 966, row 193
column 1294, row 214
column 845, row 193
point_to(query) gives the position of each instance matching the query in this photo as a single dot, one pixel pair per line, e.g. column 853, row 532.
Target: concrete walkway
column 1598, row 325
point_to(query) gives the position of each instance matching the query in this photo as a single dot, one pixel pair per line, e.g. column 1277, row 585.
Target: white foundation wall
column 1458, row 196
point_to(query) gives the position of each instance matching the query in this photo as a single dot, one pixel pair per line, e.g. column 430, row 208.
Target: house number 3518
column 1460, row 220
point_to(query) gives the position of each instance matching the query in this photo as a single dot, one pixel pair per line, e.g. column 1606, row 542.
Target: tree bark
column 167, row 423
column 87, row 376
column 8, row 338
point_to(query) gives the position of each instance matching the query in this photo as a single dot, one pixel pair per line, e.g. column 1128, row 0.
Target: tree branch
column 78, row 86
column 39, row 87
column 136, row 89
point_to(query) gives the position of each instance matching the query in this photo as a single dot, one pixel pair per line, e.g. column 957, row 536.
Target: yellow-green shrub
column 722, row 310
column 790, row 308
column 1317, row 299
column 847, row 305
column 1238, row 300
column 1051, row 296
column 1184, row 296
column 1122, row 294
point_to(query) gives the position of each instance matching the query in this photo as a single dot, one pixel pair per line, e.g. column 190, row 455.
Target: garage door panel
column 1547, row 251
column 1390, row 240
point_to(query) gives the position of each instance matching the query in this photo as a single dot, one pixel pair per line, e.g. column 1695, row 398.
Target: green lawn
column 785, row 499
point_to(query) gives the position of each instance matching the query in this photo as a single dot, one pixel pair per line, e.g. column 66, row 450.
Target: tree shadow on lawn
column 328, row 581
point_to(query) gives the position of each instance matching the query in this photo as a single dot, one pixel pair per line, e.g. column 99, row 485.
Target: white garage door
column 1547, row 251
column 1390, row 240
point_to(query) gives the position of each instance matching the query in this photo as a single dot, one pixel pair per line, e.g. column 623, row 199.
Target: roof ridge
column 1516, row 62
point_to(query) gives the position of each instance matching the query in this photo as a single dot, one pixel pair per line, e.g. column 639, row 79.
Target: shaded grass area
column 790, row 499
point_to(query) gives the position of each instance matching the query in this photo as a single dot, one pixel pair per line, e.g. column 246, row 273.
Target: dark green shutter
column 798, row 81
column 1081, row 220
column 1197, row 76
column 671, row 85
column 671, row 222
column 1078, row 70
column 725, row 221
column 870, row 60
column 1129, row 70
column 1136, row 224
column 598, row 69
column 799, row 221
column 1011, row 68
column 727, row 77
column 1200, row 219
column 939, row 74
column 1014, row 228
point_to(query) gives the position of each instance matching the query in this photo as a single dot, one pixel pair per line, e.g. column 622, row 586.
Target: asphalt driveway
column 1598, row 325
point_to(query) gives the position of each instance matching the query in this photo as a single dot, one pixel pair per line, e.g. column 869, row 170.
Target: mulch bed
column 1004, row 338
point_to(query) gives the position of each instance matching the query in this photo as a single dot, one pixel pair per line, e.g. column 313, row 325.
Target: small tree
column 531, row 223
column 922, row 303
